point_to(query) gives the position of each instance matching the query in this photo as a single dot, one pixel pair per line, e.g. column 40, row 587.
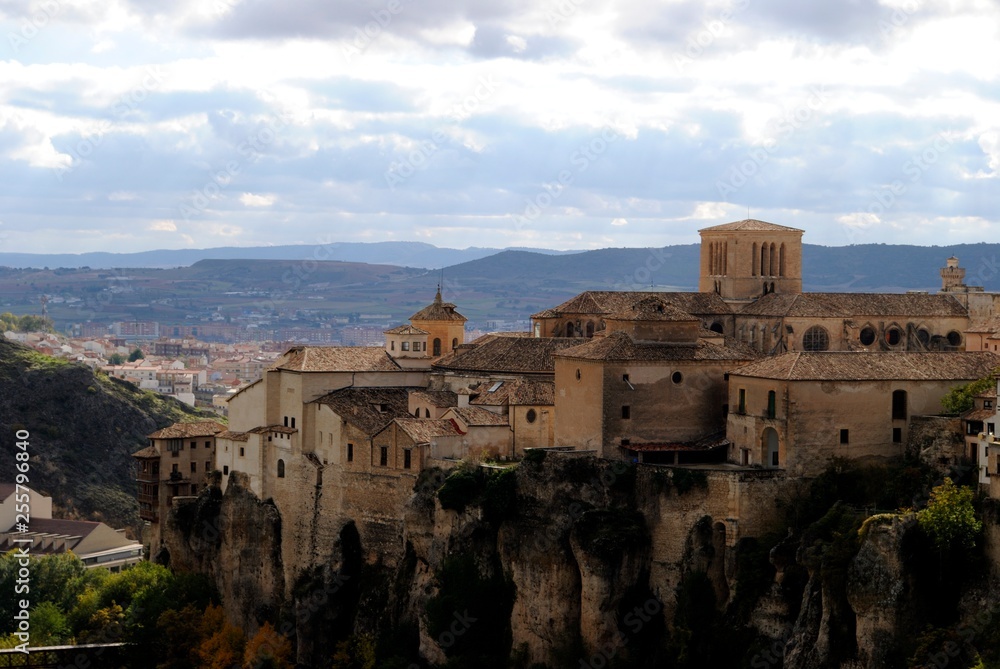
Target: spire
column 437, row 296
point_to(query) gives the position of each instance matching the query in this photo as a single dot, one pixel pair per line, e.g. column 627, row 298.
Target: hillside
column 84, row 428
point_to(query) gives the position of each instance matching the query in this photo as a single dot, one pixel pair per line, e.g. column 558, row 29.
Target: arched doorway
column 769, row 447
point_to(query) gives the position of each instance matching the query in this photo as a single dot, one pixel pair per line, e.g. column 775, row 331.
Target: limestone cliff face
column 236, row 539
column 582, row 560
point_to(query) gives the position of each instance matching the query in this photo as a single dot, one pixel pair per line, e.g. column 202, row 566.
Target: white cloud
column 619, row 222
column 162, row 226
column 252, row 200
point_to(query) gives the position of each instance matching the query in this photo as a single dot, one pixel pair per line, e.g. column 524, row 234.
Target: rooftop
column 507, row 355
column 424, row 430
column 436, row 398
column 204, row 428
column 653, row 308
column 887, row 366
column 844, row 305
column 438, row 311
column 478, row 416
column 604, row 302
column 406, row 330
column 368, row 409
column 337, row 359
column 620, row 346
column 752, row 225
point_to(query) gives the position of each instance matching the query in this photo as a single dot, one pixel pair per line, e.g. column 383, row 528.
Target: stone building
column 797, row 410
column 747, row 259
column 655, row 379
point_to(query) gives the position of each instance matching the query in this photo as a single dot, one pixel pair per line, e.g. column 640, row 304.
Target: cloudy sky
column 130, row 125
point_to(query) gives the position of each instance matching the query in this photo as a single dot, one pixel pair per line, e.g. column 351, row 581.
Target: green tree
column 48, row 625
column 950, row 519
column 116, row 359
column 960, row 398
column 137, row 354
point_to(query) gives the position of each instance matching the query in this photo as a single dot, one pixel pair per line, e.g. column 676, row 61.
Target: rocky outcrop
column 235, row 538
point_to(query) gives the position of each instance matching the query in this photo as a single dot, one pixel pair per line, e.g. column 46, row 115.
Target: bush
column 460, row 489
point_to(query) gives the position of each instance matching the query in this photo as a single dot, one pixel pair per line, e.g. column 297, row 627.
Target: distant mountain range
column 402, row 254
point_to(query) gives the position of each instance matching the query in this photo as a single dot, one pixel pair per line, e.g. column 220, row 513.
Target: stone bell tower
column 747, row 259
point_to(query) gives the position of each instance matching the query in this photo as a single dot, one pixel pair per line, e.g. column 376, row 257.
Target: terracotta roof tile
column 337, row 359
column 508, row 355
column 477, row 416
column 368, row 409
column 438, row 311
column 233, row 436
column 148, row 452
column 604, row 302
column 854, row 366
column 204, row 428
column 264, row 429
column 846, row 305
column 620, row 346
column 406, row 330
column 652, row 309
column 750, row 224
column 436, row 398
column 424, row 430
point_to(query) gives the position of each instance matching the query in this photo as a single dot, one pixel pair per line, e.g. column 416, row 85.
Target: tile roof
column 478, row 416
column 979, row 414
column 436, row 398
column 845, row 305
column 233, row 436
column 368, row 409
column 518, row 392
column 438, row 311
column 620, row 346
column 337, row 359
column 203, row 428
column 602, row 302
column 652, row 309
column 423, row 430
column 508, row 355
column 984, row 325
column 855, row 366
column 750, row 224
column 264, row 429
column 148, row 452
column 406, row 330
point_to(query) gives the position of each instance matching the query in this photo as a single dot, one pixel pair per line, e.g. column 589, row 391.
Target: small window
column 406, row 458
column 437, row 347
column 427, row 412
column 454, row 343
column 286, row 421
column 194, row 488
column 194, row 445
column 416, row 413
column 677, row 378
column 405, row 346
column 954, row 338
column 242, row 452
column 897, row 435
column 350, row 452
column 383, row 457
column 281, row 469
column 867, row 336
column 293, row 421
column 899, row 405
column 771, row 404
column 991, row 428
column 392, row 345
column 893, row 336
column 988, row 404
column 578, row 375
column 626, row 412
column 743, row 401
column 225, row 470
column 194, row 467
column 845, row 436
column 625, row 378
column 531, row 416
column 208, row 466
column 208, row 444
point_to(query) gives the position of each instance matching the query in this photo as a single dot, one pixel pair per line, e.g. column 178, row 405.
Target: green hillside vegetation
column 84, row 427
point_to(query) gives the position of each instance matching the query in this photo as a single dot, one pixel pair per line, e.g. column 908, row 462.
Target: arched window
column 725, row 258
column 437, row 347
column 281, row 469
column 816, row 338
column 590, row 328
column 763, row 260
column 454, row 343
column 753, row 260
column 781, row 260
column 772, row 263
